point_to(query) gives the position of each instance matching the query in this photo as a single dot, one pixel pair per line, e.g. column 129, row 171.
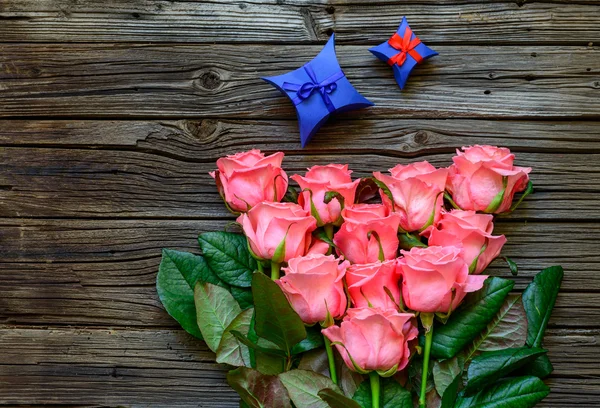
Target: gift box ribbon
column 325, row 87
column 405, row 46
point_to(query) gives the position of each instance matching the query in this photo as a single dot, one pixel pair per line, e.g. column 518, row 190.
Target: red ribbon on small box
column 405, row 46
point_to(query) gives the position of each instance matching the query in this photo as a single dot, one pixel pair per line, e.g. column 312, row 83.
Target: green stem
column 428, row 340
column 275, row 270
column 329, row 232
column 331, row 360
column 261, row 267
column 375, row 389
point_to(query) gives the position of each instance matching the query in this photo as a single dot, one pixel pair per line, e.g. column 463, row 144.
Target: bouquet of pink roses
column 331, row 299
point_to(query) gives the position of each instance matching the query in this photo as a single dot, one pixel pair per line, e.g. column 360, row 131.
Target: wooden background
column 112, row 112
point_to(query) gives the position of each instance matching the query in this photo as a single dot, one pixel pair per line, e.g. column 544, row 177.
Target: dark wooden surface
column 112, row 113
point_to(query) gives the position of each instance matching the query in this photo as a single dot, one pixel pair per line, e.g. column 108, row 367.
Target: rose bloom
column 375, row 339
column 365, row 227
column 417, row 190
column 321, row 179
column 268, row 225
column 366, row 284
column 313, row 284
column 476, row 179
column 248, row 178
column 436, row 279
column 473, row 232
column 318, row 247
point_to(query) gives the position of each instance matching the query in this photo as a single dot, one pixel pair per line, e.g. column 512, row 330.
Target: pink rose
column 367, row 230
column 367, row 283
column 436, row 279
column 248, row 178
column 318, row 247
column 321, row 179
column 313, row 284
column 483, row 178
column 473, row 232
column 272, row 226
column 417, row 190
column 374, row 339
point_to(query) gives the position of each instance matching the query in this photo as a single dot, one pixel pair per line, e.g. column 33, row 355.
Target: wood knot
column 596, row 84
column 421, row 137
column 203, row 130
column 330, row 9
column 210, row 80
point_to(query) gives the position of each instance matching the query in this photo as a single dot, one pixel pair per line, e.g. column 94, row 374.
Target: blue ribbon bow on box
column 318, row 89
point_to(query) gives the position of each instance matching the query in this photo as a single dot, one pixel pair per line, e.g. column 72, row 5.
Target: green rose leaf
column 522, row 392
column 393, row 395
column 231, row 351
column 471, row 318
column 336, row 400
column 304, row 386
column 408, row 241
column 538, row 300
column 267, row 349
column 506, row 330
column 275, row 319
column 215, row 310
column 313, row 340
column 444, row 373
column 451, row 392
column 316, row 360
column 177, row 275
column 540, row 367
column 243, row 296
column 512, row 265
column 228, row 256
column 490, row 366
column 258, row 390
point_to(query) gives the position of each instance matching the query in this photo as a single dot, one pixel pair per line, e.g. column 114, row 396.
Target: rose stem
column 331, row 360
column 329, row 232
column 375, row 389
column 275, row 270
column 260, row 266
column 428, row 339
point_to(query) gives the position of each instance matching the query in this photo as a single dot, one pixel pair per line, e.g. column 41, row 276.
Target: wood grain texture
column 205, row 81
column 153, row 182
column 296, row 22
column 102, row 272
column 168, row 367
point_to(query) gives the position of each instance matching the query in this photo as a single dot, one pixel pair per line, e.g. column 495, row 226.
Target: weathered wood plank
column 297, row 21
column 104, row 81
column 153, row 181
column 102, row 273
column 411, row 137
column 160, row 367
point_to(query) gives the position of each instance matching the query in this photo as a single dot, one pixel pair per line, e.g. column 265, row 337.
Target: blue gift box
column 403, row 51
column 318, row 89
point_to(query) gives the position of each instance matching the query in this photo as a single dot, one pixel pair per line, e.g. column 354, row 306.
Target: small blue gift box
column 403, row 51
column 318, row 89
